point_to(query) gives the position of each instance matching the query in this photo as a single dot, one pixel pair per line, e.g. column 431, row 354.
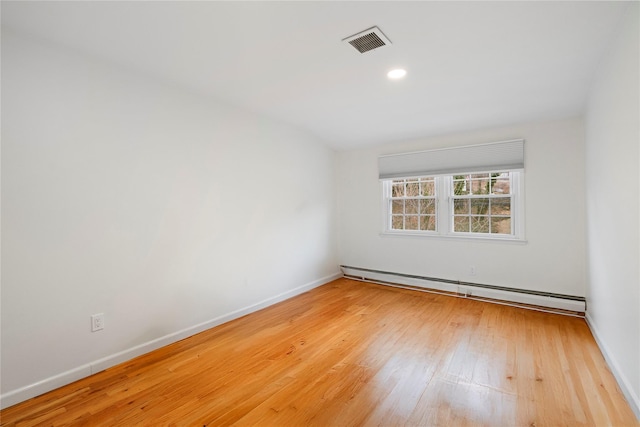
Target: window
column 482, row 203
column 473, row 191
column 473, row 205
column 413, row 204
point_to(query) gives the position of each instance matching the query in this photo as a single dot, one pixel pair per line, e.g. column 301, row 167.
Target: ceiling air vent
column 368, row 40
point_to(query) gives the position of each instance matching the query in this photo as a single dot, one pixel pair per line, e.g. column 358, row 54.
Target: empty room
column 330, row 213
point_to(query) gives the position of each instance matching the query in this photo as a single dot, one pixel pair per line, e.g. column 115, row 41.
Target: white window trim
column 444, row 217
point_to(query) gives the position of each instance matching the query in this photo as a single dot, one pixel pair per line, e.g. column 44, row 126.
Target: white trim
column 632, row 398
column 444, row 214
column 32, row 390
column 468, row 238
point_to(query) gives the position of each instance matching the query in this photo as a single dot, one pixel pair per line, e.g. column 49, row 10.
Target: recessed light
column 398, row 73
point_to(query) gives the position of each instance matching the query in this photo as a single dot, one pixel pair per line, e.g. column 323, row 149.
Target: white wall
column 552, row 260
column 613, row 189
column 159, row 208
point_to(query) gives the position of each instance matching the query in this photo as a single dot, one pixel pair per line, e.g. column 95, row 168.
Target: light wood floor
column 351, row 353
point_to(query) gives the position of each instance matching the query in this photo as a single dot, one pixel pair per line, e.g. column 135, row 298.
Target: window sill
column 451, row 237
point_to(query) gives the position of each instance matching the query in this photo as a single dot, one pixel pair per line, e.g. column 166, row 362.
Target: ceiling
column 469, row 65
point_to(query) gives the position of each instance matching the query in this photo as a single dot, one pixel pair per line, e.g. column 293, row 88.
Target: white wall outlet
column 472, row 270
column 97, row 322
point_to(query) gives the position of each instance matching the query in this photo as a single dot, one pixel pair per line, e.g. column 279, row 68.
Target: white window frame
column 444, row 211
column 390, row 199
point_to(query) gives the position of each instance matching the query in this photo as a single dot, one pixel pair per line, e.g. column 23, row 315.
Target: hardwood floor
column 352, row 353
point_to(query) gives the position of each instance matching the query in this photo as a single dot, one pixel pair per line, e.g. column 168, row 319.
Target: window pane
column 413, row 189
column 411, row 222
column 427, row 188
column 480, row 206
column 411, row 206
column 428, row 207
column 397, row 222
column 461, row 185
column 461, row 206
column 501, row 225
column 397, row 190
column 501, row 206
column 501, row 184
column 461, row 224
column 397, row 206
column 480, row 186
column 480, row 224
column 428, row 222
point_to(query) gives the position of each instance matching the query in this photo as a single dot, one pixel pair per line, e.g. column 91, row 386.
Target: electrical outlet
column 472, row 270
column 97, row 322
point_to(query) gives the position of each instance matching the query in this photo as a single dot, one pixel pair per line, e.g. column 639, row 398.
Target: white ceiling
column 470, row 64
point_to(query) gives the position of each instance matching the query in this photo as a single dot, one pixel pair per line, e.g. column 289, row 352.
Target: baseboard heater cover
column 522, row 296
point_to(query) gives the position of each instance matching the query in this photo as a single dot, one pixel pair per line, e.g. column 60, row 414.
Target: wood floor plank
column 348, row 354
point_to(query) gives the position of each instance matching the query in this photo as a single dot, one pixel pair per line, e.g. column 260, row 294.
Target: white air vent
column 368, row 40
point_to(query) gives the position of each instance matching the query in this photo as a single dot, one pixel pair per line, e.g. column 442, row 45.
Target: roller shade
column 495, row 156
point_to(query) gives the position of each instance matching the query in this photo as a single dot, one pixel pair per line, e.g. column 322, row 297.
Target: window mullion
column 444, row 205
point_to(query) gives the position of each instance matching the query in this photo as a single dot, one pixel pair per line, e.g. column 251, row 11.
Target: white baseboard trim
column 623, row 382
column 32, row 390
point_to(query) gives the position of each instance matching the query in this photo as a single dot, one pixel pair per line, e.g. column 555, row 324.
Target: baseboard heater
column 521, row 296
